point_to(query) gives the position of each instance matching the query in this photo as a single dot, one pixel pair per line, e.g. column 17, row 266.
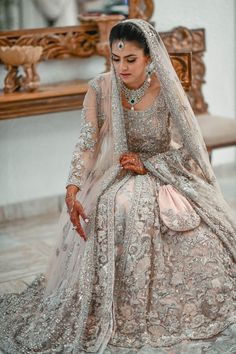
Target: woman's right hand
column 76, row 210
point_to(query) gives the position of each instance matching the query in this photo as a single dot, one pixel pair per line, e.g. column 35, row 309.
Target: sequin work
column 137, row 286
column 168, row 286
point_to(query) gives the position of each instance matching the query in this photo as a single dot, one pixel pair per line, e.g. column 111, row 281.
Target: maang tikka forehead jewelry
column 120, row 45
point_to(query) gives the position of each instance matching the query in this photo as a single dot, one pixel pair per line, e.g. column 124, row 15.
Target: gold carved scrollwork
column 57, row 44
column 182, row 39
column 82, row 41
column 141, row 9
column 182, row 64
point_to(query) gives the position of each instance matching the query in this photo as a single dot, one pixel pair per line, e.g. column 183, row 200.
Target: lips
column 125, row 75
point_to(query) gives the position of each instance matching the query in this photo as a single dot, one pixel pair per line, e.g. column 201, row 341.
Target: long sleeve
column 84, row 149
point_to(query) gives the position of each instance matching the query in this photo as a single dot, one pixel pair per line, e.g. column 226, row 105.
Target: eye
column 131, row 60
column 115, row 59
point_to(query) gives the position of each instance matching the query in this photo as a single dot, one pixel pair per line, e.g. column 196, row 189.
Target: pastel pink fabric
column 175, row 210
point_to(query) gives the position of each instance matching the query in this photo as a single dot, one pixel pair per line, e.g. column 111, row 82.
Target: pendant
column 132, row 101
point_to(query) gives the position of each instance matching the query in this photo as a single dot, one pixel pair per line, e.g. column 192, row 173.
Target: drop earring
column 149, row 71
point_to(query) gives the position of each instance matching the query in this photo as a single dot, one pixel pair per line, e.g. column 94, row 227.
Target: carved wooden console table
column 59, row 43
column 65, row 43
column 80, row 41
column 186, row 48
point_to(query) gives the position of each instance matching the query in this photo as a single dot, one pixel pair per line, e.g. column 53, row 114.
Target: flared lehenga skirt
column 169, row 286
column 167, row 291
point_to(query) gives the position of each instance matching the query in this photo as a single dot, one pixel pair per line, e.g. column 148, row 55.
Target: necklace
column 134, row 96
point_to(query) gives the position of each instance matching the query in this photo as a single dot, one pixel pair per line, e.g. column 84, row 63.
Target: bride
column 145, row 257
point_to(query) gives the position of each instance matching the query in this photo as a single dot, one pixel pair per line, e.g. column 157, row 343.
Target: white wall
column 35, row 152
column 218, row 18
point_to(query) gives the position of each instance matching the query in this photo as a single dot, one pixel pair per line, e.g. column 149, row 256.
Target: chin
column 129, row 80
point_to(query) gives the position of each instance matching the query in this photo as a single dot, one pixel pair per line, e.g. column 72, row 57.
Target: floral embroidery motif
column 181, row 221
column 148, row 131
column 86, row 143
column 140, row 285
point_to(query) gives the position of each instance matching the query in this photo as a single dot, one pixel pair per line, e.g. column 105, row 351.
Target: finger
column 129, row 158
column 131, row 168
column 74, row 218
column 69, row 203
column 132, row 158
column 122, row 159
column 80, row 230
column 126, row 159
column 82, row 213
column 138, row 170
column 125, row 155
column 133, row 163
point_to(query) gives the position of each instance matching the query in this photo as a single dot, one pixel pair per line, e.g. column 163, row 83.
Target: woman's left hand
column 131, row 161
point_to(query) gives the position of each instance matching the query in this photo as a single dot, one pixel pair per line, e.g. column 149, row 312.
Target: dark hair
column 128, row 31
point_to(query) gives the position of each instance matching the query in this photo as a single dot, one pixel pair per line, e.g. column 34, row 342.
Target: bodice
column 148, row 131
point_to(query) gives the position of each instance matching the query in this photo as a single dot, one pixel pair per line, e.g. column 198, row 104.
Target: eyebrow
column 127, row 56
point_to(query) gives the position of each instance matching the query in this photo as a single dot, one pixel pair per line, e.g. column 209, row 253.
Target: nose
column 123, row 66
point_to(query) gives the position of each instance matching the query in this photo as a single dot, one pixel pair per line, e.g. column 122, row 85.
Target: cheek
column 140, row 65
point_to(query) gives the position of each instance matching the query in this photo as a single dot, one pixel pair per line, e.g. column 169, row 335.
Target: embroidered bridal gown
column 141, row 287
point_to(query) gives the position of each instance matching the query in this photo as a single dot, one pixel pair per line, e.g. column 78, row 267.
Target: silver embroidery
column 86, row 142
column 181, row 221
column 142, row 285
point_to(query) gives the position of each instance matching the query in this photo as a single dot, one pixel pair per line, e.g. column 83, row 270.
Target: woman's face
column 129, row 62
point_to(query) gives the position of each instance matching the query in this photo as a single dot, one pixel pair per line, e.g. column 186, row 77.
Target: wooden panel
column 182, row 63
column 50, row 98
column 70, row 41
column 81, row 41
column 141, row 9
column 183, row 39
column 58, row 43
column 69, row 95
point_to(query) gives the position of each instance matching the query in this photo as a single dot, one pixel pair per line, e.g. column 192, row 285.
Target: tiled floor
column 25, row 244
column 25, row 247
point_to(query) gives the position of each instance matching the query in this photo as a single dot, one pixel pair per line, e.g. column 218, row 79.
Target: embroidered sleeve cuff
column 76, row 182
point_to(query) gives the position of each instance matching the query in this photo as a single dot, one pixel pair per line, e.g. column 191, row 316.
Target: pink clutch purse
column 175, row 210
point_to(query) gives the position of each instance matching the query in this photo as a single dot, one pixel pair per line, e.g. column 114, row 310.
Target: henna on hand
column 75, row 210
column 131, row 161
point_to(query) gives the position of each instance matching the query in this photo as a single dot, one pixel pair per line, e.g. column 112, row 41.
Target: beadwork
column 134, row 96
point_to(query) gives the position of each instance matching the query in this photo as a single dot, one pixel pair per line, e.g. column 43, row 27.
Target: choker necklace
column 134, row 96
